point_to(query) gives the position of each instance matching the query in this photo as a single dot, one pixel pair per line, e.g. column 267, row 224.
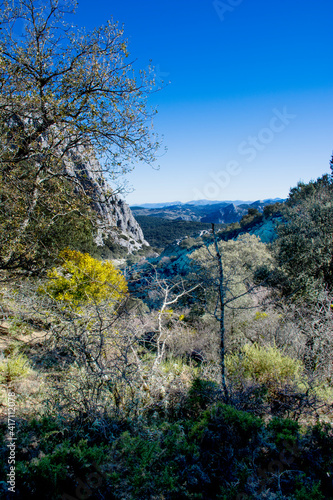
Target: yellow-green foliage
column 259, row 315
column 13, row 368
column 240, row 256
column 81, row 279
column 266, row 365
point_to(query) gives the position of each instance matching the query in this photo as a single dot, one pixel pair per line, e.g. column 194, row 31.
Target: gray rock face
column 115, row 219
column 225, row 215
column 125, row 223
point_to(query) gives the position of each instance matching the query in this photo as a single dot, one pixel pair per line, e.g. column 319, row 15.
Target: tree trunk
column 220, row 318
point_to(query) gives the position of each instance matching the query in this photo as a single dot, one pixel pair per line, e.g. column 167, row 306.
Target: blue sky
column 248, row 111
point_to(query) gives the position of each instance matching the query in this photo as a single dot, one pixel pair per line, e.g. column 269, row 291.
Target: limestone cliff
column 115, row 219
column 116, row 222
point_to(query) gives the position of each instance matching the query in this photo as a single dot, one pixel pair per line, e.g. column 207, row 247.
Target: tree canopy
column 63, row 91
column 241, row 258
column 305, row 244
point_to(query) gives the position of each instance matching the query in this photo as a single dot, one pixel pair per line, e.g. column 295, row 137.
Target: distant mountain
column 209, row 202
column 159, row 205
column 171, row 212
column 226, row 214
column 222, row 212
column 269, row 201
column 198, row 203
column 260, row 204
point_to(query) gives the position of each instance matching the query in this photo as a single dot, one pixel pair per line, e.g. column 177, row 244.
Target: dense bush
column 227, row 438
column 16, row 366
column 251, row 218
column 265, row 365
column 211, row 452
column 82, row 279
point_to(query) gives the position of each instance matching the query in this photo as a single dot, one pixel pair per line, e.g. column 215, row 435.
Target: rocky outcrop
column 122, row 227
column 115, row 219
column 116, row 222
column 226, row 215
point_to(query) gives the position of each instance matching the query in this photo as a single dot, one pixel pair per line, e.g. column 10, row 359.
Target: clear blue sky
column 249, row 108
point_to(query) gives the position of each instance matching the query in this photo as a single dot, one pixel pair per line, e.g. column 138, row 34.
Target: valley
column 219, row 212
column 164, row 224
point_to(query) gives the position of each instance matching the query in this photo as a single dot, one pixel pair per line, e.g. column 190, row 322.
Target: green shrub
column 308, row 491
column 155, row 463
column 226, row 454
column 317, row 455
column 201, row 394
column 227, row 439
column 189, row 243
column 111, row 250
column 227, row 422
column 252, row 217
column 284, row 431
column 49, row 475
column 264, row 365
column 13, row 368
column 19, row 327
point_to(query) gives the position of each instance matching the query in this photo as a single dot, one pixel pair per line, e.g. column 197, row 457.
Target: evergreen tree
column 305, row 244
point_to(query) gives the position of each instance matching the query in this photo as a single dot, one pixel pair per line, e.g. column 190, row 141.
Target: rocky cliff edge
column 115, row 219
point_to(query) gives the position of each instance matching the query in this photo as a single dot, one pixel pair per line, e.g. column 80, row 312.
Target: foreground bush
column 213, row 453
column 15, row 367
column 267, row 381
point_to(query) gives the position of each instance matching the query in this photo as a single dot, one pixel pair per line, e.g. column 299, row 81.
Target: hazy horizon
column 209, row 202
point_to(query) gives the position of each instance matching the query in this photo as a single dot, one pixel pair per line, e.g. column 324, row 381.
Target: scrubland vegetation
column 118, row 382
column 202, row 374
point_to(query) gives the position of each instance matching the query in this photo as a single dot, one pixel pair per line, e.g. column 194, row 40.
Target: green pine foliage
column 305, row 244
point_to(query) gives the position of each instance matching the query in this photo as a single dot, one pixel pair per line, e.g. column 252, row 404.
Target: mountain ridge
column 204, row 203
column 219, row 213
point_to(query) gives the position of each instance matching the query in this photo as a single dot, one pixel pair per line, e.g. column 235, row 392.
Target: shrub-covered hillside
column 202, row 373
column 116, row 379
